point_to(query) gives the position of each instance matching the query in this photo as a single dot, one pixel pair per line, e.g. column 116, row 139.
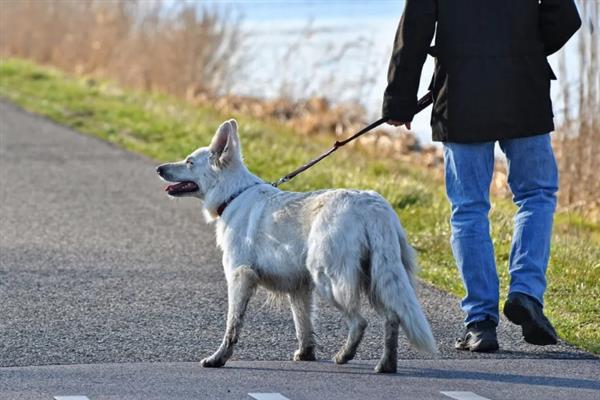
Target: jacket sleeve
column 559, row 20
column 412, row 41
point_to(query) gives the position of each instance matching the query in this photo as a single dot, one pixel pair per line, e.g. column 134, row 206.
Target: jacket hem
column 443, row 138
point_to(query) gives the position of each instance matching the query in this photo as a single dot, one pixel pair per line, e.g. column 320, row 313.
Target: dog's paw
column 342, row 357
column 386, row 367
column 212, row 362
column 305, row 355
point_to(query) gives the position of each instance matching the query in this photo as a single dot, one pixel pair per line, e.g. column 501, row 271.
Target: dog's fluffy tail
column 393, row 270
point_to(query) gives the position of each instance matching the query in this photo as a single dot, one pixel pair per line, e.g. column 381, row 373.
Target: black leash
column 423, row 103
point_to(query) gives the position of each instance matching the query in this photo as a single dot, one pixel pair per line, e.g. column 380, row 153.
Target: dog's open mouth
column 181, row 188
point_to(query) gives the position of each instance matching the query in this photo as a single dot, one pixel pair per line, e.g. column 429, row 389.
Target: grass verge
column 165, row 128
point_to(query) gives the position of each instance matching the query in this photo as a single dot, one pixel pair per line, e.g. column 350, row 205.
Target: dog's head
column 200, row 172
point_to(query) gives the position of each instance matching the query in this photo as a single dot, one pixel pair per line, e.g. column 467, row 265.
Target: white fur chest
column 237, row 230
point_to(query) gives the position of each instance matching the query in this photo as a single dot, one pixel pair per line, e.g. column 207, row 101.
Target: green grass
column 165, row 128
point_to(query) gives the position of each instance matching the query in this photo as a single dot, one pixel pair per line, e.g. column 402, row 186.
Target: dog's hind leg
column 345, row 296
column 389, row 359
column 356, row 329
column 302, row 308
column 240, row 288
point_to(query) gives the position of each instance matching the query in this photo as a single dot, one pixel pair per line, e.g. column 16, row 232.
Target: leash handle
column 423, row 103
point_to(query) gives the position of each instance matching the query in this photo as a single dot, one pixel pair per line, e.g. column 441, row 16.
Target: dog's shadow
column 363, row 369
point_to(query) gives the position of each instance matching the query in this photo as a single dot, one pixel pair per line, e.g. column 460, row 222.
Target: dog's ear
column 226, row 143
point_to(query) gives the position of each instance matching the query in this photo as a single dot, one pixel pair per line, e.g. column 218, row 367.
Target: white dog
column 343, row 243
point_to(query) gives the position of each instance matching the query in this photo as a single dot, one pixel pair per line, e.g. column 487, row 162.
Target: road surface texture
column 107, row 283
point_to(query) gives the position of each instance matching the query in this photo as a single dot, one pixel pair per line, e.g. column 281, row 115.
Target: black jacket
column 491, row 78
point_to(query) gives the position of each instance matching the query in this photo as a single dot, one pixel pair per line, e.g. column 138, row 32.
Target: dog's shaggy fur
column 339, row 243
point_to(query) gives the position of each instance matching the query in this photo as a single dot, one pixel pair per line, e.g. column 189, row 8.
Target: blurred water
column 336, row 49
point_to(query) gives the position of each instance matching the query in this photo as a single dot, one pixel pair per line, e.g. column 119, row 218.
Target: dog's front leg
column 302, row 308
column 240, row 288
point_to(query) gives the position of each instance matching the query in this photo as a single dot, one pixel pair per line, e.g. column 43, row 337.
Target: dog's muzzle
column 178, row 188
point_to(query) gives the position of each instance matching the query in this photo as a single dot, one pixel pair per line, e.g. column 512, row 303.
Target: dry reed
column 577, row 140
column 141, row 43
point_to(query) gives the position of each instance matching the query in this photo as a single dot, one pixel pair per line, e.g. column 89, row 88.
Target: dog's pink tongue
column 181, row 187
column 175, row 187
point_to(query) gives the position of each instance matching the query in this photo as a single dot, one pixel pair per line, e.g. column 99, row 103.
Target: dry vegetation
column 140, row 43
column 187, row 51
column 196, row 53
column 577, row 141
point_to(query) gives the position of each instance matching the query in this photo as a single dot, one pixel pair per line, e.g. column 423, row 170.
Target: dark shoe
column 479, row 336
column 524, row 310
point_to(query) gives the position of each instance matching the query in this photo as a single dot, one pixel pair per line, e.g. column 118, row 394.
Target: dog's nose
column 159, row 170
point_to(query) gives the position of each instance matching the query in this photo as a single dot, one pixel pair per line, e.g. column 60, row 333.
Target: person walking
column 491, row 83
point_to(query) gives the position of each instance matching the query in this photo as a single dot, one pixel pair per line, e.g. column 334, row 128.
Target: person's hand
column 398, row 123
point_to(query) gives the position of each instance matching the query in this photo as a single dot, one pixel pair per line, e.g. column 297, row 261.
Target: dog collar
column 231, row 198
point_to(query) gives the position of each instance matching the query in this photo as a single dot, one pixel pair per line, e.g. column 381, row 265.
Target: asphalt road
column 98, row 266
column 541, row 379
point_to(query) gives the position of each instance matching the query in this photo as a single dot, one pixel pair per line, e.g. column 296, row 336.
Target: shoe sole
column 479, row 347
column 533, row 333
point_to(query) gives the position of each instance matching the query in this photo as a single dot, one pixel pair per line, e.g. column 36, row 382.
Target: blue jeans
column 533, row 180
